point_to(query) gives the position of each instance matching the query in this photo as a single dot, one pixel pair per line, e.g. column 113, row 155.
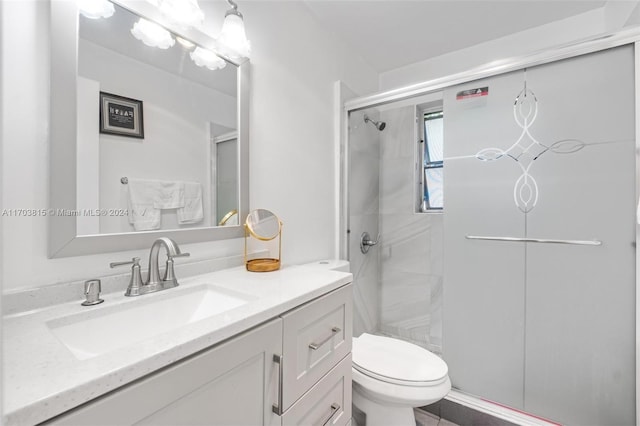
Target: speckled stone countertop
column 42, row 378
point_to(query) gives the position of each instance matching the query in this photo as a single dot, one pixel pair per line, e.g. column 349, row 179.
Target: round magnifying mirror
column 263, row 224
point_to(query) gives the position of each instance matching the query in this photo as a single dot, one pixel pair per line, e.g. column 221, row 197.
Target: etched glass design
column 526, row 150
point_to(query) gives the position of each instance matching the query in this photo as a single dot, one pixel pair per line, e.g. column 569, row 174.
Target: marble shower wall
column 411, row 251
column 364, row 190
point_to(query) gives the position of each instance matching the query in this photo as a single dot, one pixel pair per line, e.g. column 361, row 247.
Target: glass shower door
column 483, row 291
column 549, row 154
column 580, row 299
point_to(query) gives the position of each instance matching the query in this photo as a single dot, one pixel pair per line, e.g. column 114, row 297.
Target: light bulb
column 206, row 58
column 233, row 40
column 96, row 9
column 185, row 13
column 185, row 43
column 152, row 34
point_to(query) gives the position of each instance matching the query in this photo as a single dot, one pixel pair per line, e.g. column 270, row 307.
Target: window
column 432, row 162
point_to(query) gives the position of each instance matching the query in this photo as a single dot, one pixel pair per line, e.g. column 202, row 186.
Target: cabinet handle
column 334, row 409
column 316, row 346
column 278, row 408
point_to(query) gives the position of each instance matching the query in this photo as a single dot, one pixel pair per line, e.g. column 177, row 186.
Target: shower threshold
column 464, row 409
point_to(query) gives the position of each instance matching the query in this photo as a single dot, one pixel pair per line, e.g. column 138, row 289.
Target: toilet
column 390, row 376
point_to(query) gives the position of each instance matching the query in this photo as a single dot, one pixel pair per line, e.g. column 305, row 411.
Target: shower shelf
column 536, row 240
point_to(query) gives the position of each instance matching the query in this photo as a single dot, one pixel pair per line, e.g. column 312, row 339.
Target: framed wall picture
column 121, row 116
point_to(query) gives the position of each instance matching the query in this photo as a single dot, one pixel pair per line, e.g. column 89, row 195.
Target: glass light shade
column 233, row 41
column 96, row 9
column 152, row 34
column 185, row 13
column 206, row 58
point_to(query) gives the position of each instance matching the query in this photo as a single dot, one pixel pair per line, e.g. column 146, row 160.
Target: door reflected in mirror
column 184, row 172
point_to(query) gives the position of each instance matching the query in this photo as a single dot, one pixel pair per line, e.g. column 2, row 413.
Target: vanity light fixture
column 206, row 58
column 233, row 41
column 185, row 13
column 96, row 9
column 185, row 43
column 152, row 34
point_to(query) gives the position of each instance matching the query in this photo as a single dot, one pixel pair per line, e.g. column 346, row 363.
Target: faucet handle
column 170, row 279
column 92, row 289
column 134, row 261
column 179, row 255
column 136, row 276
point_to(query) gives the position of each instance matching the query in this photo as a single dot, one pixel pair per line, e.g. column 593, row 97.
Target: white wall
column 295, row 63
column 613, row 16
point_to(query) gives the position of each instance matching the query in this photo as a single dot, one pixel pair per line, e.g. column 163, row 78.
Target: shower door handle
column 366, row 242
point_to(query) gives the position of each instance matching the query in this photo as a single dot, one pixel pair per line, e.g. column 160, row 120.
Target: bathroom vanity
column 240, row 348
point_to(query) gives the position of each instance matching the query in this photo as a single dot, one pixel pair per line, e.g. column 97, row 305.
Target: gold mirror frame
column 227, row 217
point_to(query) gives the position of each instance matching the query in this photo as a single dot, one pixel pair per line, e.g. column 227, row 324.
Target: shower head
column 380, row 125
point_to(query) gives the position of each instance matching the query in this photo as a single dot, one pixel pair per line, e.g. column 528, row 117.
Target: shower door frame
column 494, row 68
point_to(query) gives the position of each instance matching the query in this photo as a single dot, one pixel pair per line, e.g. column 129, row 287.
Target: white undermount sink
column 91, row 334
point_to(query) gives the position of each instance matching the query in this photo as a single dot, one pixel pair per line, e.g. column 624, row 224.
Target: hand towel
column 192, row 211
column 143, row 215
column 169, row 195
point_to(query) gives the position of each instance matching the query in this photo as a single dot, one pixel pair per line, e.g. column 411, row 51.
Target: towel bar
column 536, row 240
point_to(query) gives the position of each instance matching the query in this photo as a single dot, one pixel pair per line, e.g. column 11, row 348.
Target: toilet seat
column 397, row 362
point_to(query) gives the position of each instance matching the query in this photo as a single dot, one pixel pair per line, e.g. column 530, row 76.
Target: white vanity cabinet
column 297, row 361
column 316, row 351
column 234, row 383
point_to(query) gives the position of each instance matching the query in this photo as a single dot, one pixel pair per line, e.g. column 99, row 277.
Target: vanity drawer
column 316, row 337
column 327, row 403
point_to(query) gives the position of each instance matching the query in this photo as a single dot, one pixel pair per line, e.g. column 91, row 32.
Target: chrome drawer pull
column 316, row 346
column 278, row 408
column 334, row 409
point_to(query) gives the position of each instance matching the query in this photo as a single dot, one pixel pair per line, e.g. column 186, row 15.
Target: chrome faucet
column 154, row 283
column 169, row 280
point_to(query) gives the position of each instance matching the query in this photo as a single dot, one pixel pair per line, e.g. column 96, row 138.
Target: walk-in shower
column 525, row 281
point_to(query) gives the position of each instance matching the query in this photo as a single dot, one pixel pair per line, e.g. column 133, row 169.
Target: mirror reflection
column 164, row 153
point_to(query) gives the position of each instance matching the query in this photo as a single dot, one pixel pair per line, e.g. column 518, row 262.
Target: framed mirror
column 145, row 142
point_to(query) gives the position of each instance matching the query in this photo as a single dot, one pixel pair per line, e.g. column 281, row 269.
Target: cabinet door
column 316, row 337
column 327, row 403
column 234, row 383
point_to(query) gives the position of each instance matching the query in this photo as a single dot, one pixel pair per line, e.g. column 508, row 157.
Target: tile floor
column 424, row 418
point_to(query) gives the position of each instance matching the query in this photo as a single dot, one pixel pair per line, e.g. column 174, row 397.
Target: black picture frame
column 121, row 116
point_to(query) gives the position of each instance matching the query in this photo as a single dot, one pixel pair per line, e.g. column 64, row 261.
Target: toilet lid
column 397, row 360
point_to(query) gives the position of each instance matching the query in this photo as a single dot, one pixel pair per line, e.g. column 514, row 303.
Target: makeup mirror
column 264, row 226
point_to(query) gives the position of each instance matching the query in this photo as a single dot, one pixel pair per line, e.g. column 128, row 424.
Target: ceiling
column 393, row 33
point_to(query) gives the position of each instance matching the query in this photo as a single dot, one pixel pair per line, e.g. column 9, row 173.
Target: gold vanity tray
column 263, row 265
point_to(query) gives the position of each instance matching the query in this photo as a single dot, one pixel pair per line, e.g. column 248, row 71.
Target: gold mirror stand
column 262, row 264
